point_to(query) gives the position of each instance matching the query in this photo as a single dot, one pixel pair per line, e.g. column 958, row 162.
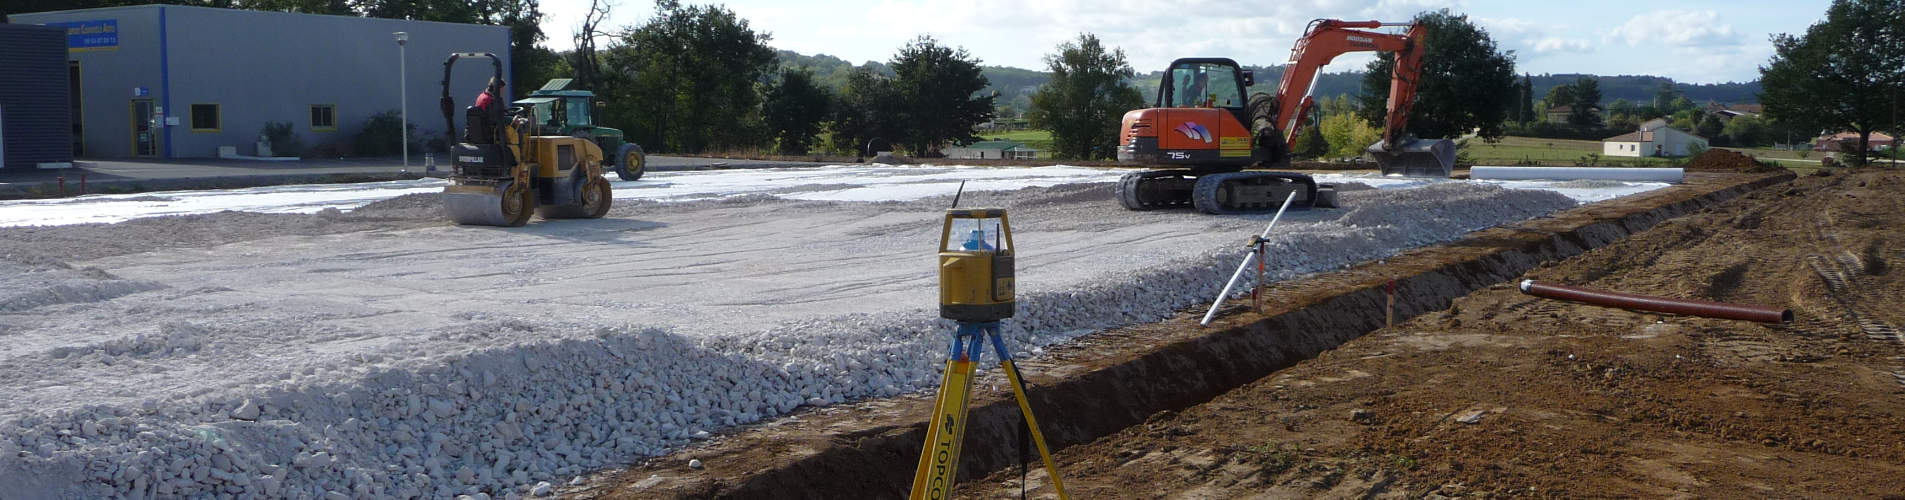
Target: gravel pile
column 501, row 402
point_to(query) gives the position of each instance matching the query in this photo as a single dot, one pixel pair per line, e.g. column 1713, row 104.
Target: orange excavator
column 1203, row 124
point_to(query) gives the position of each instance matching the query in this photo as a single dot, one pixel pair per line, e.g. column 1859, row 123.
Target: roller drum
column 479, row 205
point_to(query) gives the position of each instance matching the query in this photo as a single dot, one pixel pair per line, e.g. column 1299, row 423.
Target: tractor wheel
column 631, row 163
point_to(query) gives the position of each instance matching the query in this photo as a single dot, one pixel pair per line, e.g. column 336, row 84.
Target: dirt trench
column 1508, row 395
column 1111, row 381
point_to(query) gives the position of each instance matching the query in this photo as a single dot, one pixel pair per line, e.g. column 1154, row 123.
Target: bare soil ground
column 1509, row 395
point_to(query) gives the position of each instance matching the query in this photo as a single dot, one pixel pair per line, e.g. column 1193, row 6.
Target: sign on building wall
column 100, row 34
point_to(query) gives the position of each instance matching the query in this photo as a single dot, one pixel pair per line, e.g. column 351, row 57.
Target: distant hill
column 1641, row 88
column 1016, row 85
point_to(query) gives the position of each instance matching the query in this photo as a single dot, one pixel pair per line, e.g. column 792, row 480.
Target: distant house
column 1558, row 115
column 1726, row 112
column 1654, row 138
column 992, row 150
column 1849, row 141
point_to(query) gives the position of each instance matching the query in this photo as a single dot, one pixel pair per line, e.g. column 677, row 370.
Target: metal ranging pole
column 1246, row 263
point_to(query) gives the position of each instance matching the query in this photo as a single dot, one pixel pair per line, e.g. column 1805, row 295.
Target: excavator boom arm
column 1327, row 38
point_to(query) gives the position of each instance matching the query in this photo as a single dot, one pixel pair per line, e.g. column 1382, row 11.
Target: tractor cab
column 560, row 110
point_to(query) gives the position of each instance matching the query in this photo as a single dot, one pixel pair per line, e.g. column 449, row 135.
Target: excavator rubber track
column 1156, row 189
column 1220, row 193
column 1252, row 192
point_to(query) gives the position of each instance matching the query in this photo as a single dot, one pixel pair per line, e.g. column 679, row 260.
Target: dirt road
column 1510, row 395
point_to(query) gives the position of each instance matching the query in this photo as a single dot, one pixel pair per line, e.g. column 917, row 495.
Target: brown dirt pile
column 1722, row 160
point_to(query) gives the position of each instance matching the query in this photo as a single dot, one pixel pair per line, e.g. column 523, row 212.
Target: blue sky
column 1690, row 41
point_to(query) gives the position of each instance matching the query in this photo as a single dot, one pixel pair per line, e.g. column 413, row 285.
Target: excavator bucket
column 1416, row 158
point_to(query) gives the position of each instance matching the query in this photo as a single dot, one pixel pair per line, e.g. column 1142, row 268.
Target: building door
column 145, row 140
column 79, row 134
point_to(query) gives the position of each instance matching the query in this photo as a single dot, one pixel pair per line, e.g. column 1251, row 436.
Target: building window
column 323, row 117
column 205, row 118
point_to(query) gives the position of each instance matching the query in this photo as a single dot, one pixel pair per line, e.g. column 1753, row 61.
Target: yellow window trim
column 217, row 110
column 332, row 128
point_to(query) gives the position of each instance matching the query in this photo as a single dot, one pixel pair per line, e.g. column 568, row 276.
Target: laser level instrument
column 975, row 289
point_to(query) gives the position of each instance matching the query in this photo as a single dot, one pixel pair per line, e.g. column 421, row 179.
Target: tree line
column 694, row 79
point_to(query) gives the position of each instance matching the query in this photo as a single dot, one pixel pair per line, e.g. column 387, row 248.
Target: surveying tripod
column 939, row 460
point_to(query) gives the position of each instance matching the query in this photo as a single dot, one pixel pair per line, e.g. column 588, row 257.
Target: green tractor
column 561, row 111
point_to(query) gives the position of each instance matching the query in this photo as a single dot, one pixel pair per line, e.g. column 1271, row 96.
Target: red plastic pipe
column 1658, row 304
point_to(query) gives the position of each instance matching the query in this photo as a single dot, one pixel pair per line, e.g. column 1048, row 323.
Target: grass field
column 1564, row 152
column 1036, row 139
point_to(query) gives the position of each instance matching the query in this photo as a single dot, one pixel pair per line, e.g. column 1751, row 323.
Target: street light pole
column 403, row 94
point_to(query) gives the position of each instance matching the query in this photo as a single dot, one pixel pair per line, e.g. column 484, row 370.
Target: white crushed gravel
column 384, row 354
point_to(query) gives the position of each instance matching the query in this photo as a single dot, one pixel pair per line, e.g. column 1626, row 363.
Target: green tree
column 1466, row 84
column 1587, row 97
column 1526, row 112
column 794, row 109
column 1085, row 99
column 936, row 86
column 1310, row 142
column 692, row 73
column 1665, row 95
column 1347, row 135
column 1746, row 131
column 1623, row 122
column 538, row 65
column 1339, row 105
column 1843, row 73
column 1560, row 95
column 1711, row 128
column 867, row 111
column 1621, row 106
column 1681, row 104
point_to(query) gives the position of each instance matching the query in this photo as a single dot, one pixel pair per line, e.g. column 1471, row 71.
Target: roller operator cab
column 1204, row 125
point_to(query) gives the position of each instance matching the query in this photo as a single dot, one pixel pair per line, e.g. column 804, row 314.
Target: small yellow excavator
column 505, row 170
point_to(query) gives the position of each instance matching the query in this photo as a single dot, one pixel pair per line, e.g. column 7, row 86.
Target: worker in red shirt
column 487, row 113
column 488, row 98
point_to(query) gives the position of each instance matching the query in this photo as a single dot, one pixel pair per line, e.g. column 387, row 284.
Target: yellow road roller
column 504, row 170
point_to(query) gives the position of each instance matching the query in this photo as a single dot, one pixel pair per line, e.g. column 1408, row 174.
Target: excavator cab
column 1196, row 83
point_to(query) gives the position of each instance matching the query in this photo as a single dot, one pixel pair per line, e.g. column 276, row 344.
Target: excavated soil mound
column 1721, row 160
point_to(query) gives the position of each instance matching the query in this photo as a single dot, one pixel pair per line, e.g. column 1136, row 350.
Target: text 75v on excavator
column 1203, row 124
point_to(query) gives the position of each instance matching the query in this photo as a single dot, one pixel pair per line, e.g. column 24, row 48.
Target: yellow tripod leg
column 1038, row 438
column 939, row 457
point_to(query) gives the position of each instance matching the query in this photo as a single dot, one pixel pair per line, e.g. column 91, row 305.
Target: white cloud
column 1677, row 28
column 1558, row 44
column 1498, row 27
